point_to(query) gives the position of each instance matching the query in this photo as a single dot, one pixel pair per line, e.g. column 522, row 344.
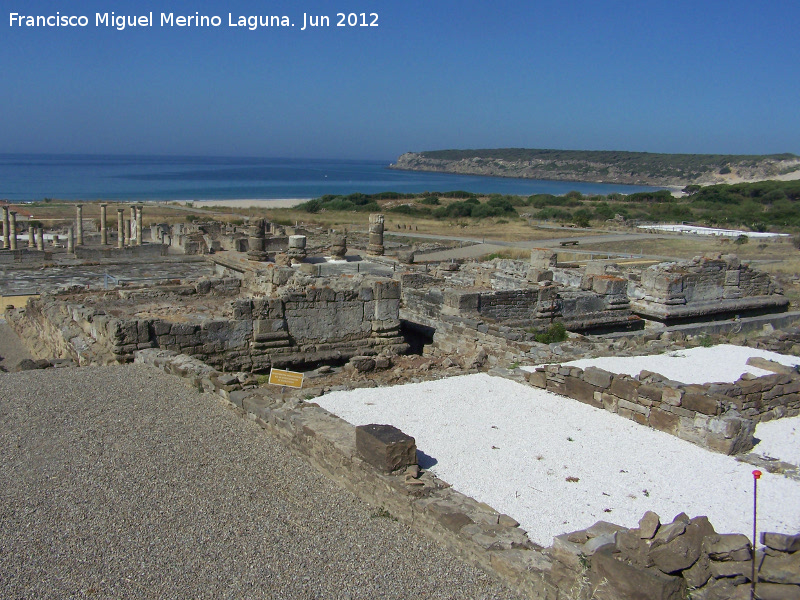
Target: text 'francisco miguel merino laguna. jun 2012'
column 250, row 22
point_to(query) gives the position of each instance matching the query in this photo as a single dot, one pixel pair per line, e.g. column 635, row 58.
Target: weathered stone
column 599, row 541
column 699, row 573
column 667, row 533
column 603, row 528
column 773, row 591
column 730, row 546
column 537, row 379
column 781, row 569
column 580, row 390
column 633, row 549
column 385, row 447
column 453, row 521
column 722, row 589
column 664, row 421
column 567, row 552
column 731, row 568
column 682, row 551
column 699, row 403
column 363, row 364
column 625, row 388
column 597, row 377
column 494, row 537
column 770, row 365
column 781, row 542
column 648, row 525
column 624, row 582
column 671, row 396
column 650, row 392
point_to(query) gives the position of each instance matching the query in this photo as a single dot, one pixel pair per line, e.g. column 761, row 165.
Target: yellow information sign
column 287, row 378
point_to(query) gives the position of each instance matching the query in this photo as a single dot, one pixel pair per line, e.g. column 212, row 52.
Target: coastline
column 247, row 202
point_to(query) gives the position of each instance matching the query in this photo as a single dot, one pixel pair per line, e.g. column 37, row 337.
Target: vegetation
column 555, row 333
column 577, row 164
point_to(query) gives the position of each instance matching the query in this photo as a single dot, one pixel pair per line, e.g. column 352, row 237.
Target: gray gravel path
column 11, row 349
column 118, row 482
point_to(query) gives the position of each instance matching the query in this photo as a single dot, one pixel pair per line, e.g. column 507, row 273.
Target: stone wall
column 719, row 417
column 704, row 286
column 296, row 327
column 685, row 558
column 111, row 252
column 24, row 256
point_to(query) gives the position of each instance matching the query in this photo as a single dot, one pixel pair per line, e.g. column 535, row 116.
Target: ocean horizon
column 35, row 177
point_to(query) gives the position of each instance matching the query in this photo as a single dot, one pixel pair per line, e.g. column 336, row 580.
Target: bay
column 31, row 177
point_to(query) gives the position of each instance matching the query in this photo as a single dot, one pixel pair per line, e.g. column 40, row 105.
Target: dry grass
column 684, row 247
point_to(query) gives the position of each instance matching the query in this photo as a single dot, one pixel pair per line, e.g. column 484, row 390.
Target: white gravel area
column 779, row 439
column 723, row 363
column 557, row 465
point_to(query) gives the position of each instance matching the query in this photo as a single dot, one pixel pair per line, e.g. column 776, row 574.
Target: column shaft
column 6, row 228
column 120, row 229
column 79, row 223
column 139, row 225
column 12, row 230
column 103, row 226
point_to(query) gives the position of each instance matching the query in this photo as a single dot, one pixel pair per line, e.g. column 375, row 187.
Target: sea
column 35, row 177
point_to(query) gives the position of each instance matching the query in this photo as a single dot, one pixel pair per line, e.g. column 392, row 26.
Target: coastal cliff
column 637, row 168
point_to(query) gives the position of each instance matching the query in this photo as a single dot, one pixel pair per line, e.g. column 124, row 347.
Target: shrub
column 555, row 333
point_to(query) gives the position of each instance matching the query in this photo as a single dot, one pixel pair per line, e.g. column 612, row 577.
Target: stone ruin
column 304, row 321
column 704, row 288
column 259, row 314
column 676, row 560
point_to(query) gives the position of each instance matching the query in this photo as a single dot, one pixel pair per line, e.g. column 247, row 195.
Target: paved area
column 11, row 348
column 118, row 482
column 66, row 272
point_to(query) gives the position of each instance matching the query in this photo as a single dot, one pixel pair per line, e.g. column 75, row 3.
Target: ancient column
column 31, row 241
column 120, row 229
column 103, row 226
column 375, row 247
column 139, row 225
column 132, row 227
column 338, row 246
column 297, row 248
column 255, row 240
column 12, row 230
column 129, row 225
column 71, row 241
column 40, row 239
column 79, row 223
column 6, row 228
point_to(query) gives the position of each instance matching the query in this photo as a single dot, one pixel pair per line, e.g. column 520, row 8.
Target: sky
column 672, row 76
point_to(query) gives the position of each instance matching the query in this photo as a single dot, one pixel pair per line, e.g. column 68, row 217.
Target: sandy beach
column 249, row 203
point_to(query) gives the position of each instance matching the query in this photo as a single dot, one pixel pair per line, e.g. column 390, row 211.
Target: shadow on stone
column 424, row 461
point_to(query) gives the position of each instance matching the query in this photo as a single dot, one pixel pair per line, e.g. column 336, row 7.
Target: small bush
column 555, row 333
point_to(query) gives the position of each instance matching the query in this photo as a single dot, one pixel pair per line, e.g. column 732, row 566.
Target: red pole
column 756, row 477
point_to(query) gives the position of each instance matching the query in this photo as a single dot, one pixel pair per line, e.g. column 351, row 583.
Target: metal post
column 756, row 477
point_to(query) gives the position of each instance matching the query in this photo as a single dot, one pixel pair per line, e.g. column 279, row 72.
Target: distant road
column 482, row 246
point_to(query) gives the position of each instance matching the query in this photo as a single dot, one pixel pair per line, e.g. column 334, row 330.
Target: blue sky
column 677, row 76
